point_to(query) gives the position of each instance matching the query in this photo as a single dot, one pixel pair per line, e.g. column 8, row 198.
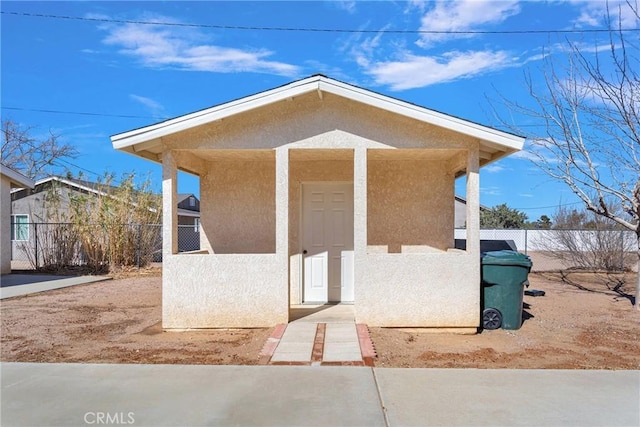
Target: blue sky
column 122, row 75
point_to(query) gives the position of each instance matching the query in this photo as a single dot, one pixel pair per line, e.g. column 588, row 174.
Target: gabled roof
column 145, row 141
column 16, row 178
column 88, row 186
column 464, row 202
column 183, row 196
column 94, row 188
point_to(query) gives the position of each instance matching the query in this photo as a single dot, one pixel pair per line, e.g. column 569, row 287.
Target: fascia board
column 322, row 84
column 188, row 213
column 72, row 184
column 16, row 177
column 212, row 114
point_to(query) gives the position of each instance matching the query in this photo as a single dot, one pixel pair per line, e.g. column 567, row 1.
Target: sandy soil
column 119, row 322
column 568, row 328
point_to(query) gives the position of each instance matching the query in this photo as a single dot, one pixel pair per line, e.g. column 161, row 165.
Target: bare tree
column 33, row 157
column 584, row 240
column 588, row 106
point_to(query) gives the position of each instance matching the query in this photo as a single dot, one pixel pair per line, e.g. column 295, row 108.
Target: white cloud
column 525, row 155
column 493, row 168
column 187, row 49
column 363, row 51
column 412, row 5
column 154, row 107
column 491, row 191
column 594, row 14
column 525, row 195
column 464, row 15
column 413, row 71
column 346, row 5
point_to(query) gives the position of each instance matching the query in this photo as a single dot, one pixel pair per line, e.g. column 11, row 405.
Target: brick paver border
column 367, row 348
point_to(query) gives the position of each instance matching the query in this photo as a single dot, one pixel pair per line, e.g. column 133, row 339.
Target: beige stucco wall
column 409, row 204
column 5, row 225
column 238, row 207
column 309, row 118
column 223, row 291
column 418, row 290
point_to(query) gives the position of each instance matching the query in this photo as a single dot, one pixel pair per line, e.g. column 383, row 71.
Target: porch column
column 169, row 204
column 282, row 210
column 360, row 202
column 473, row 201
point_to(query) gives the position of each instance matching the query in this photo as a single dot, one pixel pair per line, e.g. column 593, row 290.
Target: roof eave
column 151, row 135
column 16, row 177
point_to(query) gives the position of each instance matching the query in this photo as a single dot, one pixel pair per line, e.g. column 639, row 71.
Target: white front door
column 327, row 241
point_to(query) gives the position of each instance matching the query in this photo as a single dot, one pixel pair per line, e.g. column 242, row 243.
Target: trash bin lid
column 506, row 258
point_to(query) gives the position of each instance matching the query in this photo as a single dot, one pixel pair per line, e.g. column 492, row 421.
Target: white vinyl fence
column 564, row 249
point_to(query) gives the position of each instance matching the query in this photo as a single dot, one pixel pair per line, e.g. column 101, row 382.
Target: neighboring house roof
column 92, row 187
column 146, row 142
column 185, row 209
column 184, row 196
column 464, row 201
column 16, row 178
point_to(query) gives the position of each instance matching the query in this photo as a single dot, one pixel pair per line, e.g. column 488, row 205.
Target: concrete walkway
column 14, row 285
column 175, row 395
column 320, row 335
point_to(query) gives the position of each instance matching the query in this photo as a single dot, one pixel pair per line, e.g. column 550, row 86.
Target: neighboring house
column 8, row 231
column 188, row 223
column 460, row 216
column 30, row 204
column 321, row 191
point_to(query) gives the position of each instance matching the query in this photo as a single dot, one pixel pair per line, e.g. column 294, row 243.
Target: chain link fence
column 555, row 250
column 54, row 246
column 60, row 245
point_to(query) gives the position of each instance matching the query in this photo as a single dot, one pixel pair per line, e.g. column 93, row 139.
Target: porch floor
column 322, row 313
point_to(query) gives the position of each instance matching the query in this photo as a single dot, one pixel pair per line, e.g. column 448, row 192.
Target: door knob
column 304, row 252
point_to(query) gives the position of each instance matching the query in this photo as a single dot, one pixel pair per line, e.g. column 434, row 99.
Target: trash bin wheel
column 491, row 319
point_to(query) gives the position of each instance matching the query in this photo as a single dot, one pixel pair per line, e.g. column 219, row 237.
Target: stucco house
column 460, row 212
column 321, row 191
column 8, row 179
column 29, row 205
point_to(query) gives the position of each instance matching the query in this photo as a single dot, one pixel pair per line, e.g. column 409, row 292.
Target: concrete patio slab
column 174, row 395
column 14, row 285
column 15, row 279
column 322, row 313
column 171, row 395
column 473, row 397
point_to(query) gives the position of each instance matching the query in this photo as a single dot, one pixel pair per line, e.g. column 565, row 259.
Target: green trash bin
column 504, row 275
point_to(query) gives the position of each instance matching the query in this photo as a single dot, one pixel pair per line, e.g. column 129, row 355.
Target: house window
column 196, row 225
column 192, row 202
column 19, row 227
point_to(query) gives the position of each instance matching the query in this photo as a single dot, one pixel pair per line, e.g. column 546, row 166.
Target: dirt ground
column 118, row 321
